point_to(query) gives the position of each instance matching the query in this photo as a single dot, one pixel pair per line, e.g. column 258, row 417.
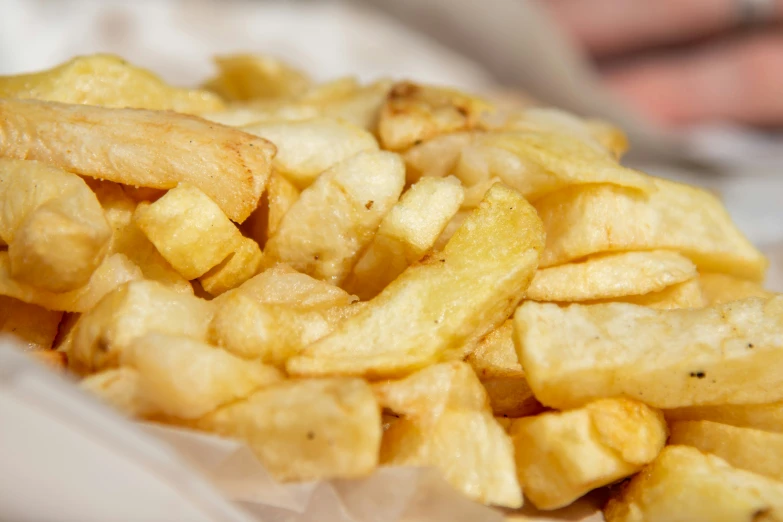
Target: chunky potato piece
column 744, row 448
column 140, row 148
column 414, row 113
column 432, row 308
column 324, row 232
column 53, row 225
column 34, row 326
column 447, row 424
column 725, row 354
column 612, row 275
column 248, row 77
column 722, row 288
column 279, row 197
column 130, row 311
column 119, row 388
column 437, row 157
column 585, row 220
column 113, row 272
column 560, row 456
column 681, row 295
column 307, row 429
column 238, row 267
column 494, row 359
column 684, row 485
column 307, row 148
column 767, row 417
column 189, row 230
column 107, row 80
column 405, row 234
column 185, row 378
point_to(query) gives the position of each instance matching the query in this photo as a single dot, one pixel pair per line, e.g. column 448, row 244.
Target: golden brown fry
column 34, row 326
column 248, row 77
column 681, row 295
column 53, row 225
column 238, row 267
column 722, row 288
column 107, row 80
column 432, row 308
column 279, row 197
column 140, row 148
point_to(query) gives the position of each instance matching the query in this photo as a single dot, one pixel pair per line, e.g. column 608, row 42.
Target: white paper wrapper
column 66, row 457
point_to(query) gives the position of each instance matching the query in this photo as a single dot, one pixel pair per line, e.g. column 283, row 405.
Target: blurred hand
column 737, row 77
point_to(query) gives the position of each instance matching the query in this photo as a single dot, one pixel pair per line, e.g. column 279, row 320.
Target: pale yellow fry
column 684, row 485
column 185, row 378
column 744, row 448
column 447, row 424
column 585, row 220
column 560, row 456
column 722, row 288
column 725, row 354
column 767, row 417
column 34, row 326
column 140, row 148
column 252, row 76
column 279, row 197
column 130, row 311
column 405, row 234
column 53, row 225
column 437, row 157
column 114, row 271
column 432, row 308
column 614, row 275
column 119, row 388
column 189, row 230
column 681, row 295
column 238, row 267
column 307, row 429
column 107, row 80
column 306, row 148
column 323, row 233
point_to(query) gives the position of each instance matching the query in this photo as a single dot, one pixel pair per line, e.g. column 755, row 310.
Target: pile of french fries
column 348, row 276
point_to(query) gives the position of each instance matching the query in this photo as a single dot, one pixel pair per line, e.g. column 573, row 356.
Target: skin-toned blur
column 683, row 62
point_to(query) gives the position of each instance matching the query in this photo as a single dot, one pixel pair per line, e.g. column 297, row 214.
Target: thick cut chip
column 414, row 113
column 767, row 417
column 726, row 354
column 238, row 267
column 248, row 77
column 307, row 148
column 612, row 275
column 140, row 148
column 432, row 308
column 436, row 157
column 681, row 295
column 722, row 288
column 133, row 310
column 324, row 232
column 685, row 485
column 53, row 225
column 113, row 272
column 186, row 379
column 585, row 220
column 405, row 234
column 447, row 424
column 34, row 326
column 744, row 448
column 494, row 359
column 560, row 456
column 279, row 197
column 307, row 429
column 119, row 388
column 106, row 80
column 189, row 230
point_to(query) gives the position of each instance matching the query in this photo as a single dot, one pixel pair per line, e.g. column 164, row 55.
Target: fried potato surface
column 722, row 288
column 725, row 354
column 306, row 148
column 307, row 429
column 279, row 197
column 683, row 485
column 53, row 225
column 238, row 267
column 681, row 295
column 560, row 456
column 744, row 448
column 248, row 77
column 447, row 424
column 585, row 220
column 34, row 326
column 109, row 81
column 612, row 275
column 140, row 148
column 405, row 234
column 434, row 306
column 323, row 233
column 768, row 417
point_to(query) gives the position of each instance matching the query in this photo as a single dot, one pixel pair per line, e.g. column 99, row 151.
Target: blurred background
column 697, row 84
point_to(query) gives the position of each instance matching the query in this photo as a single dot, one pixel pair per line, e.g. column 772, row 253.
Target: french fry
column 238, row 267
column 681, row 295
column 53, row 225
column 405, row 234
column 725, row 354
column 767, row 417
column 249, row 77
column 34, row 326
column 140, row 148
column 323, row 233
column 432, row 308
column 722, row 288
column 279, row 197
